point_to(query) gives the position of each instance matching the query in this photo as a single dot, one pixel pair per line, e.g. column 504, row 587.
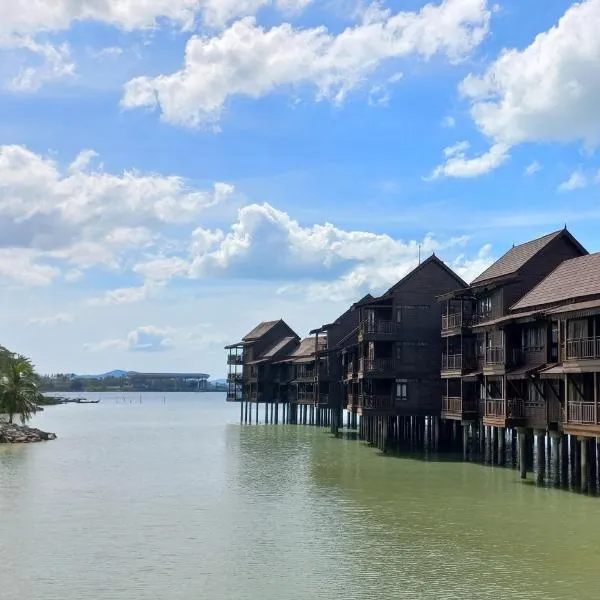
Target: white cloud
column 549, row 91
column 457, row 150
column 107, row 52
column 21, row 266
column 73, row 275
column 448, row 122
column 458, row 165
column 86, row 216
column 533, row 168
column 127, row 295
column 50, row 62
column 147, row 338
column 576, row 181
column 252, row 61
column 61, row 318
column 267, row 244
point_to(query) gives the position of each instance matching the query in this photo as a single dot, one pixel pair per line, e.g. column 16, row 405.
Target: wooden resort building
column 512, row 360
column 392, row 367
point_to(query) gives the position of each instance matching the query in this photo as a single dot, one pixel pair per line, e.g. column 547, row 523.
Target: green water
column 175, row 499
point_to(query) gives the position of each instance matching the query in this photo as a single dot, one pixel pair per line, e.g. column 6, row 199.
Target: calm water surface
column 175, row 499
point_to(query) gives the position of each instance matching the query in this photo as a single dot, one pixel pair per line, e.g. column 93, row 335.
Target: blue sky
column 173, row 172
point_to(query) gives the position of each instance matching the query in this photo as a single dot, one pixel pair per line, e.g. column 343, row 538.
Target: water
column 175, row 500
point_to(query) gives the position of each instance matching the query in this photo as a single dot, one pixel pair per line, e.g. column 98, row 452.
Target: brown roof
column 278, row 348
column 589, row 306
column 260, row 330
column 530, row 314
column 576, row 278
column 307, row 347
column 432, row 259
column 518, row 256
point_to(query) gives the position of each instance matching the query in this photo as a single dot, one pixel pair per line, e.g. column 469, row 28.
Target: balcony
column 376, row 402
column 306, row 398
column 581, row 413
column 495, row 356
column 235, row 359
column 459, row 409
column 582, row 349
column 377, row 366
column 498, row 411
column 350, row 371
column 323, row 399
column 377, row 330
column 234, row 377
column 305, row 375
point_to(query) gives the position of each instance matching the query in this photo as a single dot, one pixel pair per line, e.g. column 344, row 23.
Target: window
column 484, row 306
column 578, row 329
column 533, row 338
column 401, row 389
column 534, row 397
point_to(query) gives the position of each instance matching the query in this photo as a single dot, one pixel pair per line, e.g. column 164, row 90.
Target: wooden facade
column 567, row 306
column 391, row 367
column 493, row 354
column 255, row 373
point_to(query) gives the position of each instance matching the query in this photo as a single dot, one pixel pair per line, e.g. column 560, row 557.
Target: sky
column 173, row 172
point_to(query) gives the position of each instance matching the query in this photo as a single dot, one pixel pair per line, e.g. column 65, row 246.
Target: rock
column 11, row 433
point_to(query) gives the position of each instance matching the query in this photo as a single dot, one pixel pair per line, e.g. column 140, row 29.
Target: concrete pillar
column 501, row 449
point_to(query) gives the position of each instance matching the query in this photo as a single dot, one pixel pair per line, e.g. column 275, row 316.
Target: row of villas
column 517, row 348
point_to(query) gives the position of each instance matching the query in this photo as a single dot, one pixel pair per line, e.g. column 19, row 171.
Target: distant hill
column 117, row 373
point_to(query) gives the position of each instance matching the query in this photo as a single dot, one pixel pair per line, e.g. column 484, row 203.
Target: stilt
column 522, row 433
column 501, row 441
column 583, row 442
column 540, row 456
column 465, row 441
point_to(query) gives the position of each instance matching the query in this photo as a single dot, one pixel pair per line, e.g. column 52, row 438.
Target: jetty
column 504, row 369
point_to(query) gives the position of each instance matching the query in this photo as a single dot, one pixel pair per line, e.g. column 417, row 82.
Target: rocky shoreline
column 11, row 433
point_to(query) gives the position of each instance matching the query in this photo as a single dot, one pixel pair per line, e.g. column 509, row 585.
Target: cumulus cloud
column 249, row 60
column 576, row 181
column 24, row 266
column 458, row 165
column 265, row 243
column 549, row 91
column 85, row 216
column 147, row 338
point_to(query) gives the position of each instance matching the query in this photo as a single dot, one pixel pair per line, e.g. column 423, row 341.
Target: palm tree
column 19, row 391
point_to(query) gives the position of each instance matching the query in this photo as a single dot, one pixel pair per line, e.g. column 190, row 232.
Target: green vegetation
column 19, row 386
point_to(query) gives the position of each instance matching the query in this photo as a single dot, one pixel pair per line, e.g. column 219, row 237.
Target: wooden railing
column 513, row 408
column 235, row 359
column 234, row 376
column 372, row 365
column 581, row 413
column 323, row 399
column 457, row 406
column 376, row 402
column 378, row 327
column 582, row 349
column 302, row 372
column 495, row 356
column 306, row 396
column 452, row 321
column 352, row 399
column 452, row 362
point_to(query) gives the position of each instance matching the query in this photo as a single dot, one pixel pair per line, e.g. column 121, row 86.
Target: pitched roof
column 518, row 256
column 278, row 348
column 573, row 279
column 307, row 347
column 431, row 259
column 260, row 330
